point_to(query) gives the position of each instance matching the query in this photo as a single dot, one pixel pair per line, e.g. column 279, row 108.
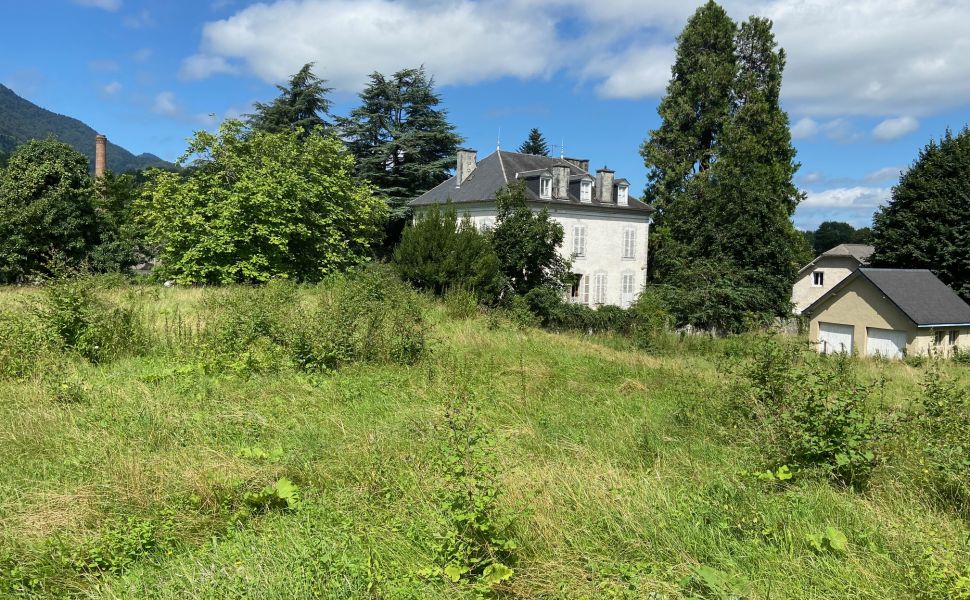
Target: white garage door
column 885, row 342
column 834, row 338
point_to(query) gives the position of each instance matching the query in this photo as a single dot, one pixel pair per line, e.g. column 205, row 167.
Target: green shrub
column 120, row 546
column 24, row 342
column 82, row 322
column 460, row 303
column 943, row 437
column 650, row 321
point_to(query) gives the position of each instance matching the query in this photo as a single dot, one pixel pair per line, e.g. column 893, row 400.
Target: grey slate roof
column 499, row 168
column 859, row 252
column 918, row 293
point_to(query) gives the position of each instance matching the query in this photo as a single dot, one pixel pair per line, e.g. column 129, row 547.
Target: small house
column 826, row 271
column 891, row 313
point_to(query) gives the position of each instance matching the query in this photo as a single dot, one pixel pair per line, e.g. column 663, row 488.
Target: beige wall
column 836, row 268
column 862, row 305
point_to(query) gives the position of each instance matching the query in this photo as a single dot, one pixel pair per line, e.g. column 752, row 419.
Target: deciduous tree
column 258, row 205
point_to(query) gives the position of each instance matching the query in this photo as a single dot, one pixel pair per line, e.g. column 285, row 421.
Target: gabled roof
column 859, row 252
column 499, row 168
column 917, row 293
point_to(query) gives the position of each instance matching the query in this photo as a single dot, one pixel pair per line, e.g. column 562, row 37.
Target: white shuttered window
column 599, row 288
column 579, row 240
column 626, row 289
column 629, row 243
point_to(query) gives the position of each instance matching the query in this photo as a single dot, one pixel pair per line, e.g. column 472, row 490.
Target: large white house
column 606, row 229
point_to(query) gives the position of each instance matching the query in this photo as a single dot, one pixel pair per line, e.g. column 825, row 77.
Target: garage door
column 885, row 342
column 834, row 338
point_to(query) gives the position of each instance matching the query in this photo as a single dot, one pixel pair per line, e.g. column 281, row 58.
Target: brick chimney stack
column 100, row 155
column 467, row 161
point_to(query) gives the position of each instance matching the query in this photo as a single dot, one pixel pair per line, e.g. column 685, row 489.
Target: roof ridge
column 501, row 163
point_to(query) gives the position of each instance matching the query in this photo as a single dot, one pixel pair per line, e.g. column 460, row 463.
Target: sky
column 868, row 83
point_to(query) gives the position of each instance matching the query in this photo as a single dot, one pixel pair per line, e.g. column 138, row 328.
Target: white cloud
column 103, row 4
column 143, row 55
column 851, row 197
column 103, row 66
column 892, row 129
column 805, row 128
column 139, row 20
column 110, row 89
column 651, row 66
column 165, row 104
column 459, row 41
column 883, row 174
column 201, row 66
column 811, row 177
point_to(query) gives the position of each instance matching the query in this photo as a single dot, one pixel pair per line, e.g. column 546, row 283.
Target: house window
column 586, row 191
column 948, row 338
column 580, row 290
column 626, row 289
column 818, row 279
column 629, row 243
column 545, row 187
column 599, row 288
column 953, row 337
column 579, row 241
column 622, row 195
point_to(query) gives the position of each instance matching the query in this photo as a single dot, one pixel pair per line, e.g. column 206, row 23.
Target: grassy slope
column 621, row 469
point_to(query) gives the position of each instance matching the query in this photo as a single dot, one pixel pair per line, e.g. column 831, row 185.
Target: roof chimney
column 581, row 163
column 560, row 181
column 467, row 160
column 604, row 186
column 100, row 155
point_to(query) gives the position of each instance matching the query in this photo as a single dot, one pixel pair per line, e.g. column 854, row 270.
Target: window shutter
column 579, row 240
column 629, row 243
column 585, row 289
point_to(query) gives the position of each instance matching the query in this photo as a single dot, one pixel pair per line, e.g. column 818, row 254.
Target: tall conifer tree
column 535, row 144
column 403, row 142
column 720, row 174
column 302, row 105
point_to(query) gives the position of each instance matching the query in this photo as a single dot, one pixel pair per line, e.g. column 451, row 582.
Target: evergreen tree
column 403, row 142
column 302, row 105
column 832, row 233
column 535, row 144
column 926, row 225
column 720, row 174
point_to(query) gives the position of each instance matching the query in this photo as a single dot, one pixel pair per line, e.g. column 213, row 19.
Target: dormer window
column 545, row 187
column 586, row 191
column 622, row 194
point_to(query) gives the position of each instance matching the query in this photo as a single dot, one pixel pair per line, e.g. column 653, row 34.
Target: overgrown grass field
column 358, row 440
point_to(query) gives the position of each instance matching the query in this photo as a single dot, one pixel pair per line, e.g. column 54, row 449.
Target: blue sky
column 868, row 82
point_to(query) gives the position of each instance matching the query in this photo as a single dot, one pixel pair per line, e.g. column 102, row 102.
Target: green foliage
column 65, row 388
column 302, row 106
column 403, row 142
column 651, row 318
column 460, row 303
column 723, row 144
column 527, row 242
column 45, row 209
column 709, row 583
column 926, row 225
column 830, row 540
column 258, row 206
column 832, row 233
column 80, row 321
column 938, row 574
column 439, row 252
column 535, row 144
column 280, row 495
column 121, row 241
column 121, row 546
column 475, row 542
column 943, row 438
column 25, row 343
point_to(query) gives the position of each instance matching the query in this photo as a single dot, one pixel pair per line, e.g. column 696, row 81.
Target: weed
column 24, row 343
column 937, row 574
column 460, row 303
column 943, row 435
column 281, row 495
column 120, row 546
column 830, row 540
column 65, row 388
column 710, row 583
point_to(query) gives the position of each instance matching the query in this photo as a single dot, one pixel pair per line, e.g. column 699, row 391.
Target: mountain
column 22, row 120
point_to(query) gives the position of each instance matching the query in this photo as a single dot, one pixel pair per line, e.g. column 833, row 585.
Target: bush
column 366, row 317
column 460, row 303
column 943, row 437
column 82, row 322
column 439, row 253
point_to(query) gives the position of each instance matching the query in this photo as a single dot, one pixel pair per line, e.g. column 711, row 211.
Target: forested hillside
column 22, row 120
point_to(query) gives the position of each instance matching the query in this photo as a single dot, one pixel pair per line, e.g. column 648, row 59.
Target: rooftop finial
column 498, row 140
column 562, row 149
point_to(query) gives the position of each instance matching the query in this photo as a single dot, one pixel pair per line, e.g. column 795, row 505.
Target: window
column 629, row 243
column 586, row 191
column 580, row 290
column 953, row 337
column 948, row 338
column 579, row 241
column 599, row 288
column 626, row 289
column 818, row 279
column 545, row 187
column 622, row 194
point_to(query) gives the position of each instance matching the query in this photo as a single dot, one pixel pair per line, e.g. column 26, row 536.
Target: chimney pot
column 100, row 155
column 467, row 161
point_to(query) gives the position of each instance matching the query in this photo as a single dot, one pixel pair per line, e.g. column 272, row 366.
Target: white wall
column 604, row 244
